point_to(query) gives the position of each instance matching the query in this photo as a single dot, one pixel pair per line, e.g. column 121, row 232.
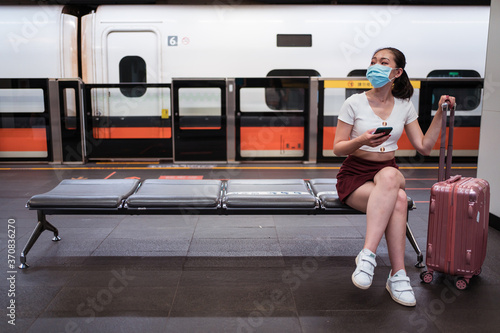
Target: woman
column 369, row 179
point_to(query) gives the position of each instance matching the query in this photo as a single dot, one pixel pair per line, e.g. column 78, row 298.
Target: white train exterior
column 38, row 42
column 229, row 41
column 240, row 41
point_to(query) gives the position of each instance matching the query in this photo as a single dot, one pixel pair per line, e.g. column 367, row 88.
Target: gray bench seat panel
column 86, row 193
column 171, row 193
column 268, row 194
column 325, row 190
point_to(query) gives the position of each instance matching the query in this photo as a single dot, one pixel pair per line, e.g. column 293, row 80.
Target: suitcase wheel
column 461, row 283
column 426, row 277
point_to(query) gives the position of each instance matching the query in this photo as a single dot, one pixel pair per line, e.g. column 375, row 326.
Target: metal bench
column 205, row 196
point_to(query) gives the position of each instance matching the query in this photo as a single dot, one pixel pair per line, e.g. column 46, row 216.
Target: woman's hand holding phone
column 385, row 130
column 375, row 137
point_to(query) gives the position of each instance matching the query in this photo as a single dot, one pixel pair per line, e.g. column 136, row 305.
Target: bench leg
column 41, row 226
column 413, row 242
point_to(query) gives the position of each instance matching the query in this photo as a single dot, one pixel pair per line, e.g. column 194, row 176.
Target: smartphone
column 385, row 130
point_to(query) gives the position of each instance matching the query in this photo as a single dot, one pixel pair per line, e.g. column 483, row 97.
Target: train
column 186, row 60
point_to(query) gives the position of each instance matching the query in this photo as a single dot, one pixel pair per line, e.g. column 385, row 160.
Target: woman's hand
column 446, row 99
column 373, row 140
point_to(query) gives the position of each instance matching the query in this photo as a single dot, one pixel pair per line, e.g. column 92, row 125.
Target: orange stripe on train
column 272, row 138
column 132, row 133
column 23, row 139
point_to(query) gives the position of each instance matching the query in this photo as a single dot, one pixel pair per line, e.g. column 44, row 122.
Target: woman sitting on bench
column 369, row 179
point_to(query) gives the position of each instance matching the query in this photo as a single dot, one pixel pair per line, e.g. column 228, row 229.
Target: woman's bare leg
column 382, row 202
column 395, row 234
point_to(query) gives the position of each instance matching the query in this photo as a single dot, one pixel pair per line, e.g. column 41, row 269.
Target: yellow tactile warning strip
column 359, row 84
column 211, row 167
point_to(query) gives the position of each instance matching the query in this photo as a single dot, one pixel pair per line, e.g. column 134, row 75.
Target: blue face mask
column 378, row 75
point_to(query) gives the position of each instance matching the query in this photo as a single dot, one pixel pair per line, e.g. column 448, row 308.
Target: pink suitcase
column 458, row 222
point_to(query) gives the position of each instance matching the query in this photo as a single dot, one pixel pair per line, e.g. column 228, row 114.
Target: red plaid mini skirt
column 356, row 171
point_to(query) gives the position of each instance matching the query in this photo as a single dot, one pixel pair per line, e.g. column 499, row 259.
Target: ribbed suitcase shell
column 458, row 226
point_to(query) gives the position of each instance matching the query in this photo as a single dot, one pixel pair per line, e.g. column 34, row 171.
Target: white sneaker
column 400, row 289
column 363, row 275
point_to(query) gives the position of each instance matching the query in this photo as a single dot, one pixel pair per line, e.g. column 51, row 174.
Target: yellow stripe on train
column 359, row 84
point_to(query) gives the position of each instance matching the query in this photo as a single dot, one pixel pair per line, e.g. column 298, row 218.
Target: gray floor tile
column 234, row 247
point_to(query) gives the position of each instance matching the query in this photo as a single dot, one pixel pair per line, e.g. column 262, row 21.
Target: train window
column 21, row 100
column 287, row 40
column 133, row 69
column 278, row 98
column 454, row 73
column 293, row 72
column 357, row 72
column 255, row 99
column 69, row 109
column 468, row 99
column 200, row 102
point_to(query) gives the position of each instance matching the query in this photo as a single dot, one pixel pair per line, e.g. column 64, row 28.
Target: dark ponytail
column 402, row 87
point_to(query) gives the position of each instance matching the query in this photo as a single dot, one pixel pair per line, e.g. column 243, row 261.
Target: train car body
column 38, row 42
column 243, row 41
column 35, row 42
column 158, row 43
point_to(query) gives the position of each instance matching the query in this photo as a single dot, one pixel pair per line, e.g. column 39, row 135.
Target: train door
column 133, row 57
column 199, row 109
column 131, row 119
column 71, row 127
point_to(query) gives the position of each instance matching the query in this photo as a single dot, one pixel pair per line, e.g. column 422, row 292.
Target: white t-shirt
column 357, row 111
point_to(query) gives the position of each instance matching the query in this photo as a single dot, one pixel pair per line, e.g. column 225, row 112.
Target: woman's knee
column 401, row 202
column 390, row 177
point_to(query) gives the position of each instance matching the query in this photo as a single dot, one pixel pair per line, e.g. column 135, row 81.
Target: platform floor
column 187, row 273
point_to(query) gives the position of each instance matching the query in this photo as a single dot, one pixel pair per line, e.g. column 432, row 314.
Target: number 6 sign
column 172, row 40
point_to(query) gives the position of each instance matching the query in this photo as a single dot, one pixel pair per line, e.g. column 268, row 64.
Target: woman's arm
column 424, row 143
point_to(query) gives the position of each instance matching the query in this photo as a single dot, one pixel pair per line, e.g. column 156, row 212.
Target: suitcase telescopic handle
column 444, row 173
